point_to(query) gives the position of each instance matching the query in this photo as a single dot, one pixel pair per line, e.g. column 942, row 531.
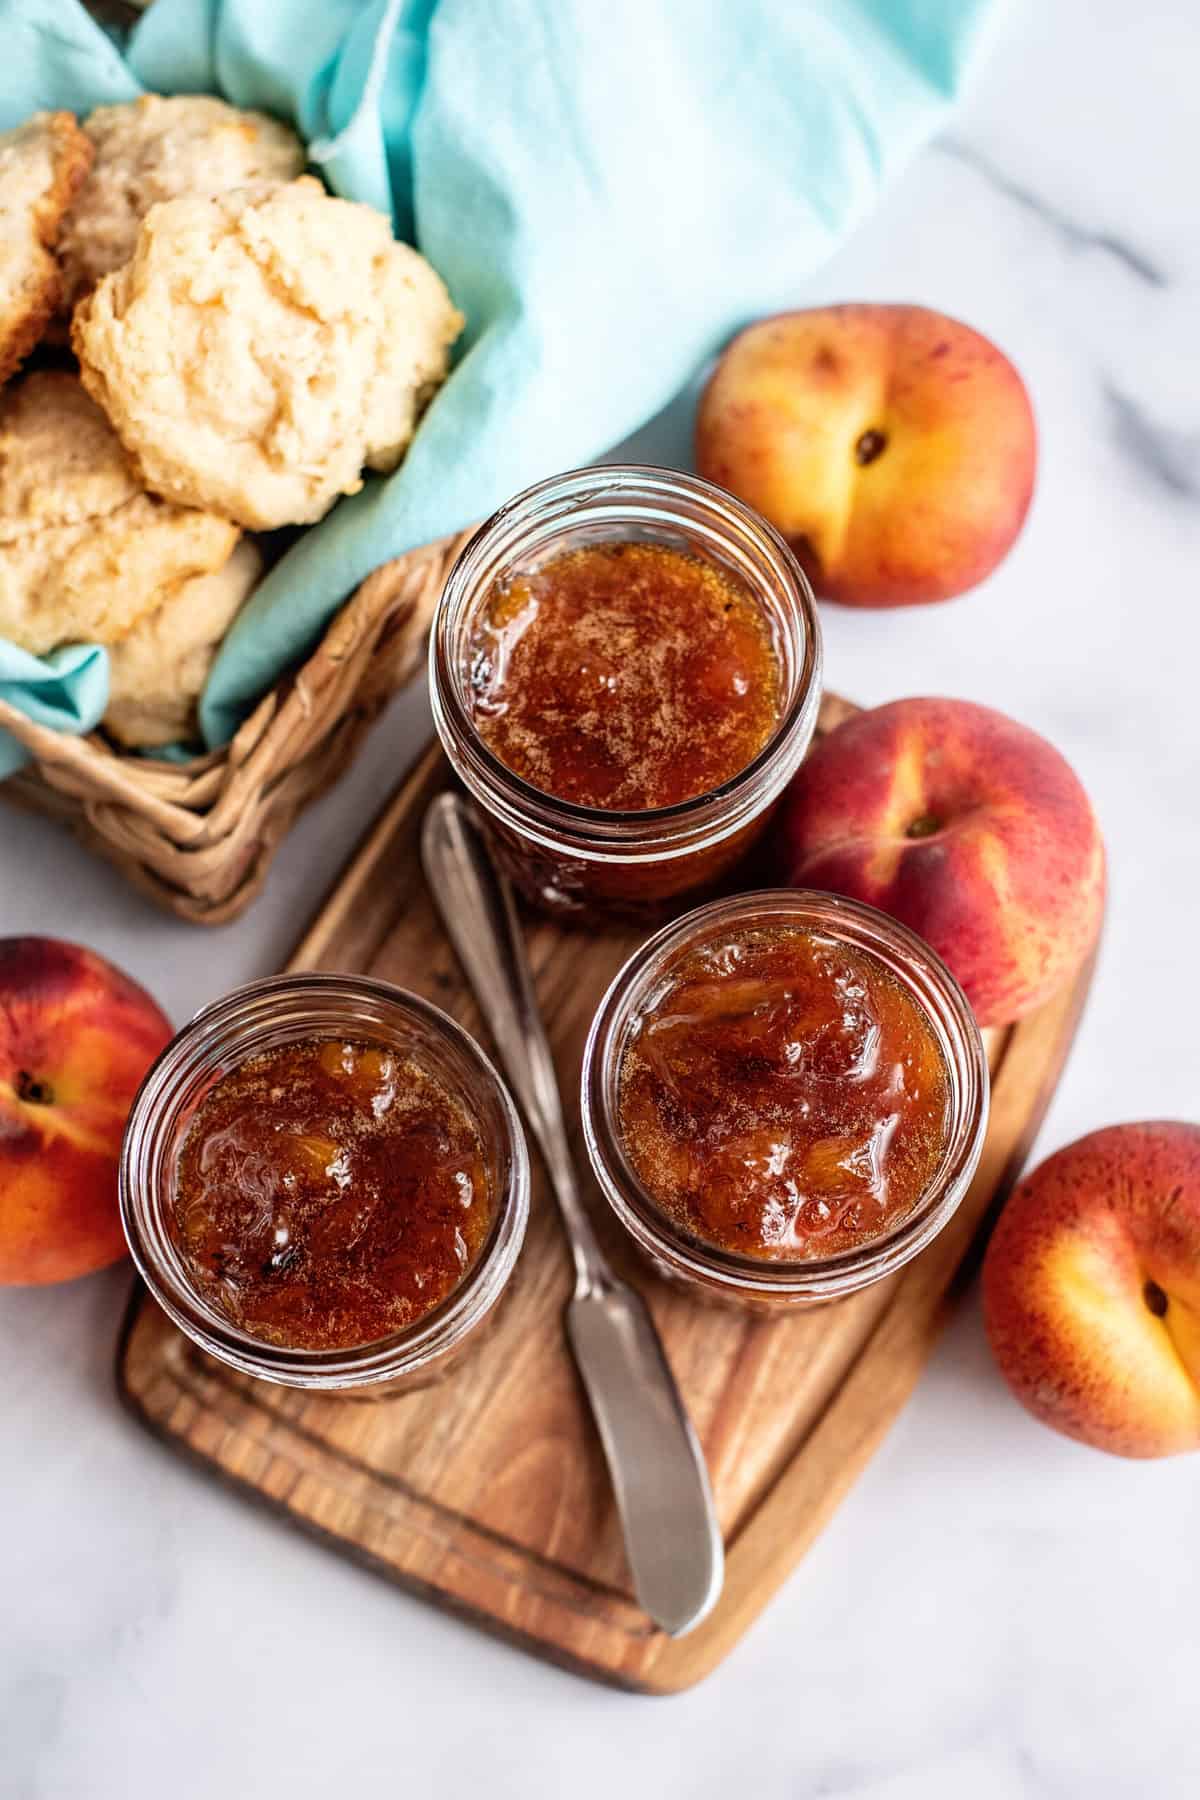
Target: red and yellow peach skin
column 76, row 1038
column 894, row 448
column 1091, row 1290
column 968, row 827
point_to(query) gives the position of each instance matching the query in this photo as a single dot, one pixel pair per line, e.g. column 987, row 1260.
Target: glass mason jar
column 567, row 858
column 263, row 1016
column 752, row 1281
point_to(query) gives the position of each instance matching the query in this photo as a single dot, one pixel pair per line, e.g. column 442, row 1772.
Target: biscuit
column 60, row 460
column 261, row 346
column 155, row 149
column 42, row 163
column 84, row 551
column 157, row 672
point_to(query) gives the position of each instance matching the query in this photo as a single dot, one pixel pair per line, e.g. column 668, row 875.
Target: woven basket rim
column 199, row 835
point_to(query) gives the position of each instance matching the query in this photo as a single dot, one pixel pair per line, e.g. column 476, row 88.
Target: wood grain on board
column 488, row 1494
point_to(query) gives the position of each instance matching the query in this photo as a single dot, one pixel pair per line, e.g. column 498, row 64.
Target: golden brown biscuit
column 157, row 673
column 84, row 551
column 42, row 163
column 60, row 460
column 261, row 346
column 155, row 149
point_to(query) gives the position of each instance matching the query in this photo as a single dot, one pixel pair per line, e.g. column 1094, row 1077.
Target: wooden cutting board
column 488, row 1494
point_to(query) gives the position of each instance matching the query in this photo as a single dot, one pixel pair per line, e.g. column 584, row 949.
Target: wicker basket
column 198, row 837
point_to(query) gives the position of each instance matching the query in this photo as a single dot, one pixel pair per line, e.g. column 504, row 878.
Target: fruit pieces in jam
column 330, row 1193
column 624, row 676
column 783, row 1096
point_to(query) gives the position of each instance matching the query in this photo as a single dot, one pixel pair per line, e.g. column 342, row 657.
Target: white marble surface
column 995, row 1612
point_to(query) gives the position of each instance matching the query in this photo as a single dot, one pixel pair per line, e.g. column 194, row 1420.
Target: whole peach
column 1091, row 1290
column 970, row 829
column 894, row 448
column 76, row 1037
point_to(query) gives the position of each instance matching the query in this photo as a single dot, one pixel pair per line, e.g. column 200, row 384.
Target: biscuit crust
column 261, row 346
column 154, row 149
column 60, row 460
column 42, row 165
column 84, row 551
column 157, row 672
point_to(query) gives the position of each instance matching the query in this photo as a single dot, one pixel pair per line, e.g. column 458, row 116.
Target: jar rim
column 942, row 1001
column 563, row 500
column 227, row 1031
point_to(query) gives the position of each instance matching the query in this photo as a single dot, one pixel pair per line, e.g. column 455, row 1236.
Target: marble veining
column 1072, row 232
column 1171, row 458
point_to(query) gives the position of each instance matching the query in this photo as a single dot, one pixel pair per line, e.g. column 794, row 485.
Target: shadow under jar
column 785, row 1097
column 325, row 1184
column 625, row 672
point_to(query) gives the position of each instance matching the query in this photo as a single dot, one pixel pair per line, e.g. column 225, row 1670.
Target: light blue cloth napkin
column 67, row 690
column 608, row 191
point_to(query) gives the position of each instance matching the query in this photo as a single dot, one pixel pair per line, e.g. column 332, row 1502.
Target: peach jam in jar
column 625, row 670
column 785, row 1096
column 624, row 676
column 330, row 1192
column 324, row 1183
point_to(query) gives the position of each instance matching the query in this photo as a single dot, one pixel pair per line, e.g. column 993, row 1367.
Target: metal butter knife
column 657, row 1468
